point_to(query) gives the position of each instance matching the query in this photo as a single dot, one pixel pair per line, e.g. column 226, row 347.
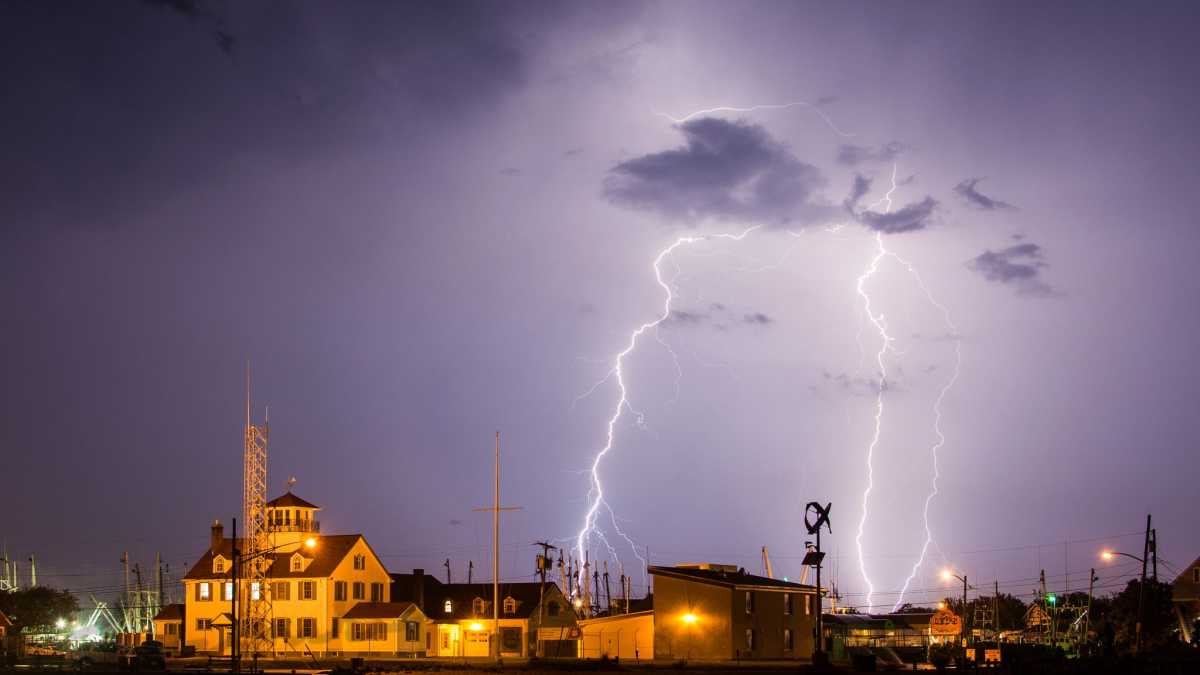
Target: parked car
column 146, row 656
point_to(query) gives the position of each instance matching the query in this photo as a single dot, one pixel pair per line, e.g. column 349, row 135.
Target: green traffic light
column 1051, row 598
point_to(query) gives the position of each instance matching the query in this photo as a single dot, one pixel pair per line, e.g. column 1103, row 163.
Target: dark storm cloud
column 853, row 155
column 858, row 190
column 909, row 218
column 725, row 170
column 758, row 319
column 1019, row 266
column 309, row 82
column 682, row 316
column 197, row 11
column 976, row 198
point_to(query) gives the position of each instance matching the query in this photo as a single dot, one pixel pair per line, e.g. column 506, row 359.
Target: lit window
column 219, row 565
column 808, row 605
column 749, row 602
column 297, row 563
column 255, row 591
column 204, row 591
column 510, row 606
column 787, row 639
column 477, row 606
column 787, row 604
column 229, row 590
column 749, row 639
column 449, row 606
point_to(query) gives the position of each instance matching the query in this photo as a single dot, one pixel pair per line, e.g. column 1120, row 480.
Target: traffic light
column 1051, row 598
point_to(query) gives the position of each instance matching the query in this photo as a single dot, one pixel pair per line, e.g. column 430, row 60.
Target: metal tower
column 256, row 606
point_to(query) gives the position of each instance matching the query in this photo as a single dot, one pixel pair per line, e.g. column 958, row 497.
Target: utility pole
column 543, row 564
column 607, row 590
column 1087, row 621
column 496, row 509
column 470, row 570
column 1137, row 645
column 447, row 566
column 235, row 649
column 996, row 609
column 32, row 571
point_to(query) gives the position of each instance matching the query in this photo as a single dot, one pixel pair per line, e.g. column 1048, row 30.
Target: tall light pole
column 1108, row 555
column 947, row 575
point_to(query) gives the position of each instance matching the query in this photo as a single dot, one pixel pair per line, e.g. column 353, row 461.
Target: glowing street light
column 61, row 623
column 689, row 618
column 310, row 543
column 1108, row 555
column 475, row 627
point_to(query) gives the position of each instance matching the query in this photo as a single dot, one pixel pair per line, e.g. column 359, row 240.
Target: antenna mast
column 257, row 612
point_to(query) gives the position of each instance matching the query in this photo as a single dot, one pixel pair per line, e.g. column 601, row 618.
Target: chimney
column 419, row 588
column 218, row 536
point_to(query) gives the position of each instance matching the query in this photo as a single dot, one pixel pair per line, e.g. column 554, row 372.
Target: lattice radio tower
column 256, row 611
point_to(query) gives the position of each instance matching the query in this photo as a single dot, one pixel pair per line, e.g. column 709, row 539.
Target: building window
column 308, row 590
column 171, row 628
column 204, row 591
column 445, row 641
column 787, row 639
column 219, row 565
column 377, row 631
column 749, row 639
column 255, row 591
column 376, row 592
column 360, row 562
column 412, row 631
column 552, row 608
column 339, row 591
column 281, row 628
column 297, row 563
column 510, row 605
column 787, row 604
column 281, row 590
column 333, row 628
column 358, row 631
column 808, row 599
column 477, row 606
column 749, row 602
column 203, row 624
column 308, row 627
column 229, row 590
column 449, row 607
column 360, row 590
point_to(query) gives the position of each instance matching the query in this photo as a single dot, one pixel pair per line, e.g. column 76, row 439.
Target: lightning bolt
column 617, row 373
column 880, row 324
column 937, row 421
column 767, row 106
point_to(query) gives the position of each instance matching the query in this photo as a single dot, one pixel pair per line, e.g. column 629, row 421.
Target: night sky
column 422, row 223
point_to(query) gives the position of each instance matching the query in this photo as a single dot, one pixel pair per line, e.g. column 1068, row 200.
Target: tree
column 1158, row 621
column 38, row 606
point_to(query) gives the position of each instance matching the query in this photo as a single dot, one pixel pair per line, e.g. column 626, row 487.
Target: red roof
column 288, row 499
column 380, row 610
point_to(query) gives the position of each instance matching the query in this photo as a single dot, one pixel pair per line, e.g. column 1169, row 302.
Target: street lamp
column 947, row 575
column 1108, row 555
column 238, row 560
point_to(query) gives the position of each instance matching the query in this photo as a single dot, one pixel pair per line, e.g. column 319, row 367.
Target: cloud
column 909, row 218
column 685, row 317
column 725, row 170
column 1019, row 265
column 572, row 152
column 853, row 155
column 860, row 188
column 758, row 319
column 976, row 198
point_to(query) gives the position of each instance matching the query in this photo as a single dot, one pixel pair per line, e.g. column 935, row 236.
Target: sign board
column 945, row 622
column 989, row 655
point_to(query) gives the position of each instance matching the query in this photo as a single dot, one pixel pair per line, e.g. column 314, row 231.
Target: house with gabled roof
column 1185, row 594
column 461, row 616
column 313, row 582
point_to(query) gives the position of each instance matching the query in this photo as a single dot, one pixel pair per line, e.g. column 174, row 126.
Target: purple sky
column 423, row 223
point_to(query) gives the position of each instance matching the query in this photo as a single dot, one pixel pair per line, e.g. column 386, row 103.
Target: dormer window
column 297, row 563
column 218, row 565
column 477, row 606
column 510, row 605
column 449, row 607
